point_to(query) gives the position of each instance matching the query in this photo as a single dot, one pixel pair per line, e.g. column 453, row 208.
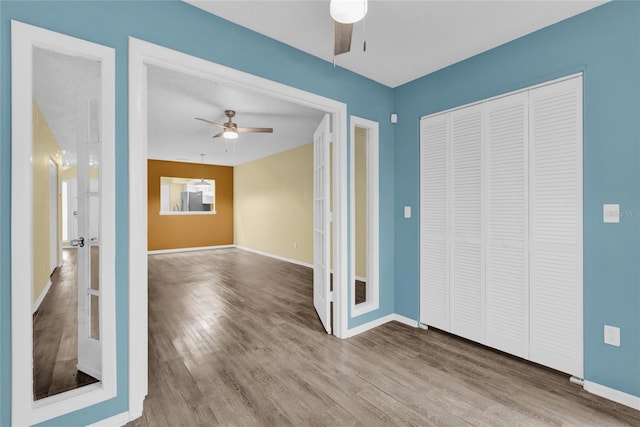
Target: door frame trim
column 142, row 53
column 24, row 410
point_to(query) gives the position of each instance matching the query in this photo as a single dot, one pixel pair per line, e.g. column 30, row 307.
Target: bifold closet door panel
column 555, row 162
column 507, row 276
column 466, row 281
column 434, row 212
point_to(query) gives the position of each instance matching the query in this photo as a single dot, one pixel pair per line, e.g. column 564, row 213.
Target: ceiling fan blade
column 342, row 38
column 255, row 130
column 209, row 121
column 218, row 135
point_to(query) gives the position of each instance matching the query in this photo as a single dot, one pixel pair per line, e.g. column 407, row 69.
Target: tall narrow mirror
column 362, row 238
column 63, row 224
column 364, row 215
column 66, row 266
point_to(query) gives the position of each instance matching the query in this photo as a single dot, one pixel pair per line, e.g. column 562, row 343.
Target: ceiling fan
column 230, row 130
column 345, row 13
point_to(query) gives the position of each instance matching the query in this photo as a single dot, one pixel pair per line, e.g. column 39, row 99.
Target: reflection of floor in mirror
column 55, row 336
column 361, row 291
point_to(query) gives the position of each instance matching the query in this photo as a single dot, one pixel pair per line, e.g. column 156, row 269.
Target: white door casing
column 321, row 222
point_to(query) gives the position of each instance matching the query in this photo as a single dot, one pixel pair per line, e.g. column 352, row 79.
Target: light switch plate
column 611, row 213
column 407, row 211
column 612, row 335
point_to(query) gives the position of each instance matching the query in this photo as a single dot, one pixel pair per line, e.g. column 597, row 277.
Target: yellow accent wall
column 361, row 202
column 190, row 231
column 45, row 149
column 274, row 204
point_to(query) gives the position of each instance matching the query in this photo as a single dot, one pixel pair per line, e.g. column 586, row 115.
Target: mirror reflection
column 361, row 216
column 66, row 223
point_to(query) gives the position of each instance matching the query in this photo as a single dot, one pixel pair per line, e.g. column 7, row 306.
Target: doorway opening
column 143, row 54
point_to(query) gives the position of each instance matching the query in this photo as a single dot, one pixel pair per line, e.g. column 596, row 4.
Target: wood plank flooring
column 234, row 341
column 55, row 334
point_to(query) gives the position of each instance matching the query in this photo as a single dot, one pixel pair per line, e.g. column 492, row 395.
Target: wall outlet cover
column 612, row 335
column 611, row 213
column 407, row 211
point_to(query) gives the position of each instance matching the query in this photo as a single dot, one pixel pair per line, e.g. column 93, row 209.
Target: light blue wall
column 181, row 27
column 605, row 43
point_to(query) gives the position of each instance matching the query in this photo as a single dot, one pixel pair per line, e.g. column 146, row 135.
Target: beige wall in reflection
column 45, row 149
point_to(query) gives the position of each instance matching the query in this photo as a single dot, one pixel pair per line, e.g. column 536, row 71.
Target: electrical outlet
column 611, row 213
column 612, row 335
column 295, row 245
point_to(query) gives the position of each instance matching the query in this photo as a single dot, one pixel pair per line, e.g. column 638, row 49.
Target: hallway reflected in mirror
column 55, row 334
column 66, row 174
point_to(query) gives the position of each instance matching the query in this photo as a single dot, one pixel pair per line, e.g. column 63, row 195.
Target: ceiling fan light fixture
column 202, row 184
column 230, row 134
column 348, row 11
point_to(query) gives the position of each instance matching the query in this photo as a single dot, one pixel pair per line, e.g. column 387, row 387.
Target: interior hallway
column 234, row 340
column 55, row 334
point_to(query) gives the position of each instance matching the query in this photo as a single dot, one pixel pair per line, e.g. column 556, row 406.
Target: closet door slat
column 434, row 258
column 555, row 162
column 466, row 281
column 507, row 276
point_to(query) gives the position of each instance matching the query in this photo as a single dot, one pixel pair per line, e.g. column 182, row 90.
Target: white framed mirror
column 62, row 223
column 364, row 172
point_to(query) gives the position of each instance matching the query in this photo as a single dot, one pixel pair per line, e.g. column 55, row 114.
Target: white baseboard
column 281, row 258
column 197, row 248
column 405, row 320
column 369, row 325
column 612, row 394
column 43, row 294
column 379, row 322
column 115, row 421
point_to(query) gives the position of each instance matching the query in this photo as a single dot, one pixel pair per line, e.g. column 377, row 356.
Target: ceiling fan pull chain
column 364, row 34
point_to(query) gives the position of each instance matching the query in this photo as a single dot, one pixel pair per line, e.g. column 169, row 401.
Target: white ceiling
column 405, row 39
column 175, row 99
column 56, row 78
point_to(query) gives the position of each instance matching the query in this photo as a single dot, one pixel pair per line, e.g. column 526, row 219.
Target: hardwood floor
column 234, row 341
column 55, row 334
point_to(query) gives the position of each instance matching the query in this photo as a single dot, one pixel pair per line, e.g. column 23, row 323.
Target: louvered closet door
column 555, row 152
column 466, row 287
column 434, row 268
column 507, row 276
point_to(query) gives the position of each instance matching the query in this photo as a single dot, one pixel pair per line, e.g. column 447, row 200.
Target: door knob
column 78, row 242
